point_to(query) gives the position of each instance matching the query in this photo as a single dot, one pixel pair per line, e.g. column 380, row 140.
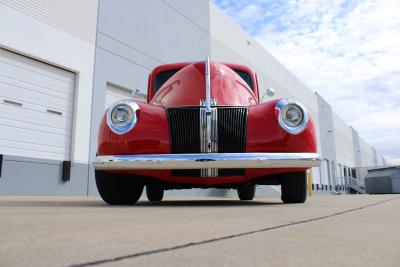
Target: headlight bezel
column 282, row 107
column 131, row 107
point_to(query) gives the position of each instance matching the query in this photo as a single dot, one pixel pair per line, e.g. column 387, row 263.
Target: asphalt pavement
column 345, row 230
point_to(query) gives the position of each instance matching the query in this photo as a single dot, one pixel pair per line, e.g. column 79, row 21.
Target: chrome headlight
column 292, row 116
column 121, row 116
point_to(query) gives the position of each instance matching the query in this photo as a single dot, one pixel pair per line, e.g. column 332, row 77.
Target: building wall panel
column 61, row 46
column 136, row 36
column 76, row 17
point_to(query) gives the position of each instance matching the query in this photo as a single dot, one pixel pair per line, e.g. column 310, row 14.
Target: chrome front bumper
column 207, row 161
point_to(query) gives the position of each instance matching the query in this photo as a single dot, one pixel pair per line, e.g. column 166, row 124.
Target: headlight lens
column 292, row 116
column 121, row 116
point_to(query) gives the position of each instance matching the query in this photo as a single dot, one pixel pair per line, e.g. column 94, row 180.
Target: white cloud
column 348, row 51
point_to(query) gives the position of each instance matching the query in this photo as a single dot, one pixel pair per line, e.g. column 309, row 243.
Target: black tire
column 294, row 187
column 118, row 189
column 246, row 192
column 154, row 192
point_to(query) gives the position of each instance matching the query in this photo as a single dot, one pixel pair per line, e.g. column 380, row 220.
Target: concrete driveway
column 346, row 230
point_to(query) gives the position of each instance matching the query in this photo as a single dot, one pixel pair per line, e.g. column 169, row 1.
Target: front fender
column 149, row 136
column 264, row 134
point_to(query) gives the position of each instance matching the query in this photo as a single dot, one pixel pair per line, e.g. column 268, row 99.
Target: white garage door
column 36, row 108
column 115, row 93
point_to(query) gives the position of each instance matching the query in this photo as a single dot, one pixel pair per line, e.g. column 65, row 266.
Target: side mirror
column 270, row 92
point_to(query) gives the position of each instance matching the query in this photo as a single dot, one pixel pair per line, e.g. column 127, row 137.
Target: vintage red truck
column 203, row 126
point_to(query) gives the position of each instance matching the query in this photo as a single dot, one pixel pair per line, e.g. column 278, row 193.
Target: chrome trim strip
column 208, row 85
column 207, row 161
column 208, row 123
column 208, row 137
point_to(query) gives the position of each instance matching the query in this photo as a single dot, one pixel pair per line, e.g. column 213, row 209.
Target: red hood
column 187, row 87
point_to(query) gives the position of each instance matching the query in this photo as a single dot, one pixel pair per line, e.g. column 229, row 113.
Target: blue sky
column 348, row 51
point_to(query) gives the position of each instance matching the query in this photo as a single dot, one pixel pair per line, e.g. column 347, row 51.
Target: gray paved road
column 348, row 230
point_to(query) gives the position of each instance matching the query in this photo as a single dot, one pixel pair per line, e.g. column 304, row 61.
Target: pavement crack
column 217, row 239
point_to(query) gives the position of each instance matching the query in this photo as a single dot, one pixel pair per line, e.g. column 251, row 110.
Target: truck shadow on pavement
column 98, row 203
column 205, row 202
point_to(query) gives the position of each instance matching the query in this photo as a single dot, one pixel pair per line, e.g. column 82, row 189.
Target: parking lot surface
column 345, row 230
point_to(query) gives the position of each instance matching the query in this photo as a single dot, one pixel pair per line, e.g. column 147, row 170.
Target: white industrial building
column 63, row 62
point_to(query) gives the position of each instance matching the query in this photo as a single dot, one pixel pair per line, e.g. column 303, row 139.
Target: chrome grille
column 184, row 126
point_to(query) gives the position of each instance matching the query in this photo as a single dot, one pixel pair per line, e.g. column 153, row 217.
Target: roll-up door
column 36, row 108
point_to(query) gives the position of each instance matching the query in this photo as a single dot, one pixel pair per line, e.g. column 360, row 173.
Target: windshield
column 162, row 77
column 246, row 77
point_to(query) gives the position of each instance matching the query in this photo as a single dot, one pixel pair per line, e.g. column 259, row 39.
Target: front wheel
column 118, row 189
column 246, row 192
column 294, row 187
column 154, row 192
